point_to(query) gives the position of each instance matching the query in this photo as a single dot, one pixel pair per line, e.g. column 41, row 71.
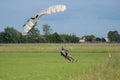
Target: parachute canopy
column 51, row 10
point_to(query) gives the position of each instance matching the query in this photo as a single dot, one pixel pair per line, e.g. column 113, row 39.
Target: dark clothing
column 67, row 56
column 62, row 54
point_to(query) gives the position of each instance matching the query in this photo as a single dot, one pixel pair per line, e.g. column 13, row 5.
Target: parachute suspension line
column 63, row 45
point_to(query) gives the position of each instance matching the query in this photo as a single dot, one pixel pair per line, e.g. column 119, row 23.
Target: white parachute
column 51, row 10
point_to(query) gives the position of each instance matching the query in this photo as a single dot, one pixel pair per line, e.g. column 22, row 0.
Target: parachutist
column 64, row 53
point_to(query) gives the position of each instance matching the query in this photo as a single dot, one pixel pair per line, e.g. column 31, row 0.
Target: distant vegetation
column 11, row 35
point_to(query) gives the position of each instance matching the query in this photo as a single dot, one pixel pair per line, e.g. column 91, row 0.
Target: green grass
column 110, row 71
column 54, row 48
column 43, row 61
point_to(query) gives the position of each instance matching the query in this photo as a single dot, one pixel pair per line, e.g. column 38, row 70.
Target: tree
column 74, row 39
column 11, row 35
column 114, row 36
column 33, row 35
column 34, row 32
column 65, row 38
column 47, row 30
column 2, row 37
column 69, row 38
column 54, row 38
column 89, row 38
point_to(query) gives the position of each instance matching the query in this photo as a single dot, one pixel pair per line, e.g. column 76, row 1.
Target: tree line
column 11, row 35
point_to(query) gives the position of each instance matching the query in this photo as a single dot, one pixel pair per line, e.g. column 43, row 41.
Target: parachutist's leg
column 68, row 58
column 72, row 59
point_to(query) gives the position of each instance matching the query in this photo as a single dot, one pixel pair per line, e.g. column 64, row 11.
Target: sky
column 82, row 17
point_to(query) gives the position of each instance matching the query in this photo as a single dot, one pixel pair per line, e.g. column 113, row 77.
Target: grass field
column 43, row 62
